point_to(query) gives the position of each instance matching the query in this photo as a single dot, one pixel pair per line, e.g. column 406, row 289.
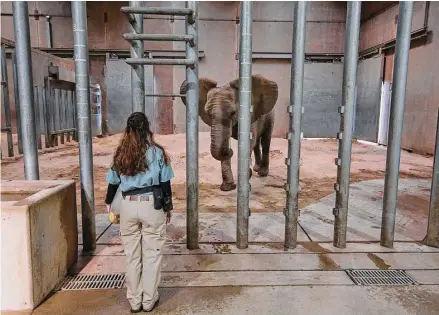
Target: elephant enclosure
column 317, row 173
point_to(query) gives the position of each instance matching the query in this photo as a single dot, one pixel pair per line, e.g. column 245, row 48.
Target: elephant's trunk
column 219, row 142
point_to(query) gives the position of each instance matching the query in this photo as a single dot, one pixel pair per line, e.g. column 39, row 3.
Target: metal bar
column 296, row 103
column 79, row 15
column 347, row 111
column 66, row 114
column 69, row 114
column 160, row 37
column 48, row 31
column 56, row 114
column 37, row 116
column 396, row 122
column 192, row 180
column 159, row 11
column 62, row 109
column 17, row 104
column 244, row 131
column 45, row 118
column 6, row 102
column 164, row 95
column 66, row 130
column 169, row 62
column 433, row 217
column 24, row 75
column 54, row 117
column 137, row 72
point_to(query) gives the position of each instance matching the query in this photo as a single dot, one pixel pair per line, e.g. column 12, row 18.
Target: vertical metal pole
column 192, row 130
column 433, row 218
column 48, row 32
column 402, row 51
column 17, row 104
column 295, row 112
column 79, row 15
column 6, row 102
column 347, row 109
column 37, row 120
column 68, row 113
column 56, row 116
column 45, row 118
column 61, row 110
column 25, row 83
column 244, row 132
column 137, row 73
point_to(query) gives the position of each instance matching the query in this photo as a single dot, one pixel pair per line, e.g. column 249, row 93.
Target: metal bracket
column 335, row 212
column 287, row 187
column 303, row 110
column 336, row 187
column 341, row 110
column 287, row 161
column 290, row 109
column 337, row 161
column 339, row 135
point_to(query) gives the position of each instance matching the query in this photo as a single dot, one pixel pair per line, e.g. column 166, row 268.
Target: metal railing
column 135, row 16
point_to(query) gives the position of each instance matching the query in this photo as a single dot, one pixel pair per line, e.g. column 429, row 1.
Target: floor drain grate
column 92, row 282
column 380, row 277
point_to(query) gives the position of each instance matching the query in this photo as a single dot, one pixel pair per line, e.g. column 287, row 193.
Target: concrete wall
column 39, row 222
column 422, row 98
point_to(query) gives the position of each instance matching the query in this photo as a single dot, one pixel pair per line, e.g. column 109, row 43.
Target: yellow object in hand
column 114, row 218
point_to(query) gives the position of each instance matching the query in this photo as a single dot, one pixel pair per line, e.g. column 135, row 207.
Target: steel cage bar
column 6, row 102
column 396, row 122
column 433, row 217
column 80, row 45
column 192, row 178
column 347, row 113
column 295, row 127
column 25, row 90
column 244, row 130
column 137, row 71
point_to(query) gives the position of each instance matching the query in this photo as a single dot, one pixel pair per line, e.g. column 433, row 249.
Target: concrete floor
column 218, row 278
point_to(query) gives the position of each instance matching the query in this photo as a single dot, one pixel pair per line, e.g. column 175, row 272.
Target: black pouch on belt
column 158, row 197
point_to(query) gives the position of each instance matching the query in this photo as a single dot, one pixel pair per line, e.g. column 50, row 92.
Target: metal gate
column 118, row 82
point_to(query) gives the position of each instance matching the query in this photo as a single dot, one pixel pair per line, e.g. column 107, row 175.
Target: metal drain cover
column 92, row 282
column 380, row 277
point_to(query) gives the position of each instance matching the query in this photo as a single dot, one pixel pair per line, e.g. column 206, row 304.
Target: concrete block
column 40, row 225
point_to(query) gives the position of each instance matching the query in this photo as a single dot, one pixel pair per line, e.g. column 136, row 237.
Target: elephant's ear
column 205, row 85
column 264, row 95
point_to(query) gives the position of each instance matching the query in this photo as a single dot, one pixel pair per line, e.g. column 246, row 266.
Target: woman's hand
column 168, row 217
column 108, row 208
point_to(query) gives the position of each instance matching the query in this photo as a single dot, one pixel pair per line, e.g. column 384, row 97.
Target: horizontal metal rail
column 6, row 129
column 158, row 11
column 165, row 95
column 168, row 62
column 161, row 37
column 58, row 132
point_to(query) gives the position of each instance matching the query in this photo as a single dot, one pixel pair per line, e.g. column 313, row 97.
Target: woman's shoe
column 153, row 307
column 136, row 311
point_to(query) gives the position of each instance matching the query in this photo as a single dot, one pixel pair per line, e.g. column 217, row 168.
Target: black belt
column 139, row 191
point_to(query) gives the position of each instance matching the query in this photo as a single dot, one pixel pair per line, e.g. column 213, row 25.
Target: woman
column 141, row 170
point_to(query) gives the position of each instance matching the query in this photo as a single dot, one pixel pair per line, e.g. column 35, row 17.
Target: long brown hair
column 130, row 157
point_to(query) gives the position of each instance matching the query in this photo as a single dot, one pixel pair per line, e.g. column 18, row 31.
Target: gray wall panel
column 368, row 99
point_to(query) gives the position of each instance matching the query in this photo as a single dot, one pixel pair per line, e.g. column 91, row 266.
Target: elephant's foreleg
column 226, row 170
column 265, row 161
column 257, row 152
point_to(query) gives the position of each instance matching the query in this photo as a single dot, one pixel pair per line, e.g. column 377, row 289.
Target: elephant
column 218, row 108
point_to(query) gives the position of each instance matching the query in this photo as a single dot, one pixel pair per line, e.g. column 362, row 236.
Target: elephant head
column 218, row 107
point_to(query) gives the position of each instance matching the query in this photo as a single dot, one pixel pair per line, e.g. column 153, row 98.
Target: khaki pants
column 143, row 231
